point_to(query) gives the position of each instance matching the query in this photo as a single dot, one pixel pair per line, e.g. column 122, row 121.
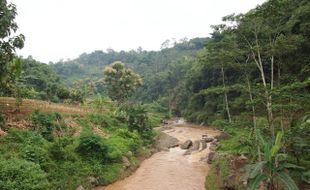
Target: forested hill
column 89, row 67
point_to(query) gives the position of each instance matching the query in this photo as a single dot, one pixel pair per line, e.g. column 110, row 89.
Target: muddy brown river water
column 171, row 170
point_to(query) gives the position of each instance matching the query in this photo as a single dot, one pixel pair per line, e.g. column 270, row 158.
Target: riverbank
column 172, row 167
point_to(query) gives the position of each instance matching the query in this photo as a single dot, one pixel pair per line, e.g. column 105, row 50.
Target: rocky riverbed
column 173, row 167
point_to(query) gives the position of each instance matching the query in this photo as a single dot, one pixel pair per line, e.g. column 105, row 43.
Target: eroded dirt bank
column 171, row 169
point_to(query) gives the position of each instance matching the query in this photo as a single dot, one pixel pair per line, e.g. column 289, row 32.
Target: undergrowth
column 49, row 155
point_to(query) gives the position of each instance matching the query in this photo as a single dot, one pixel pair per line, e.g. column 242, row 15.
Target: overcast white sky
column 57, row 29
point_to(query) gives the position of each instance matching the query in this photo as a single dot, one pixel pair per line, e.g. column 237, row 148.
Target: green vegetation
column 52, row 154
column 219, row 172
column 21, row 174
column 8, row 42
column 120, row 81
column 251, row 79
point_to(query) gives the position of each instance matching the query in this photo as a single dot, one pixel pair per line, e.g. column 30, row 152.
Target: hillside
column 88, row 68
column 236, row 104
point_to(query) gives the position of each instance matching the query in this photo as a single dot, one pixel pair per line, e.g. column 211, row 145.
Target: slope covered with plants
column 250, row 78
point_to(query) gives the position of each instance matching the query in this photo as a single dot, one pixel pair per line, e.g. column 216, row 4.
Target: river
column 171, row 170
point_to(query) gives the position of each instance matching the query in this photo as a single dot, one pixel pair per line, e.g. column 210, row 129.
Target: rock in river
column 211, row 157
column 186, row 144
column 208, row 139
column 196, row 145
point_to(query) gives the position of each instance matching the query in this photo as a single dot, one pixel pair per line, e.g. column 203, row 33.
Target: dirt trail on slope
column 171, row 170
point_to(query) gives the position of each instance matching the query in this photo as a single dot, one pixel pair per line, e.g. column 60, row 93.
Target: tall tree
column 120, row 81
column 8, row 42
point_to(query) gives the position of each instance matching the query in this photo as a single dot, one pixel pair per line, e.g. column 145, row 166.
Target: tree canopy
column 121, row 82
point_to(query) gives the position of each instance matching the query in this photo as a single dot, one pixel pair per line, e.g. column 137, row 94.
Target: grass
column 60, row 157
column 219, row 171
column 7, row 104
column 53, row 138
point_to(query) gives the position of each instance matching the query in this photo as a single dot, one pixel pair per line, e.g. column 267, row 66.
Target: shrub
column 131, row 138
column 104, row 120
column 63, row 149
column 20, row 174
column 93, row 146
column 35, row 154
column 24, row 137
column 44, row 122
column 137, row 119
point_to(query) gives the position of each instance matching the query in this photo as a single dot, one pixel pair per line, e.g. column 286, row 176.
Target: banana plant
column 273, row 169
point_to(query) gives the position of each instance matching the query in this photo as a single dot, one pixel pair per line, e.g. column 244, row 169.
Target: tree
column 8, row 43
column 120, row 81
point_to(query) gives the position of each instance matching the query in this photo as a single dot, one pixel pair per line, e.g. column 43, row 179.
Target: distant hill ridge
column 90, row 66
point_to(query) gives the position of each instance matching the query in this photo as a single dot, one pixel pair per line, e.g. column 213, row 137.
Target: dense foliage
column 120, row 81
column 251, row 78
column 8, row 42
column 50, row 155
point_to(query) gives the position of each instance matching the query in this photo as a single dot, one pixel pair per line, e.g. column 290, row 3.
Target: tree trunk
column 279, row 82
column 272, row 72
column 268, row 96
column 254, row 118
column 225, row 94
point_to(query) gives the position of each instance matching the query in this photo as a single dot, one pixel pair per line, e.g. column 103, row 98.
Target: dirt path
column 171, row 170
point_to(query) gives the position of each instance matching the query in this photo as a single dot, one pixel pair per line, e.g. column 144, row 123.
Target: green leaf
column 256, row 169
column 287, row 181
column 277, row 145
column 254, row 184
column 292, row 166
column 306, row 176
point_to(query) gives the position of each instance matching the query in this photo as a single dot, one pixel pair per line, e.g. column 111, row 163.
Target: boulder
column 215, row 142
column 211, row 157
column 195, row 146
column 208, row 139
column 213, row 147
column 186, row 145
column 165, row 141
column 126, row 162
column 203, row 145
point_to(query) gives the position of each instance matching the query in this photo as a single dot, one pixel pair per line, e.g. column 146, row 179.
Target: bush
column 137, row 119
column 132, row 139
column 35, row 154
column 218, row 174
column 24, row 137
column 63, row 149
column 46, row 123
column 18, row 174
column 42, row 95
column 106, row 120
column 93, row 146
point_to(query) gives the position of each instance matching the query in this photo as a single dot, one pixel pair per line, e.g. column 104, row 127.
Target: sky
column 64, row 29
